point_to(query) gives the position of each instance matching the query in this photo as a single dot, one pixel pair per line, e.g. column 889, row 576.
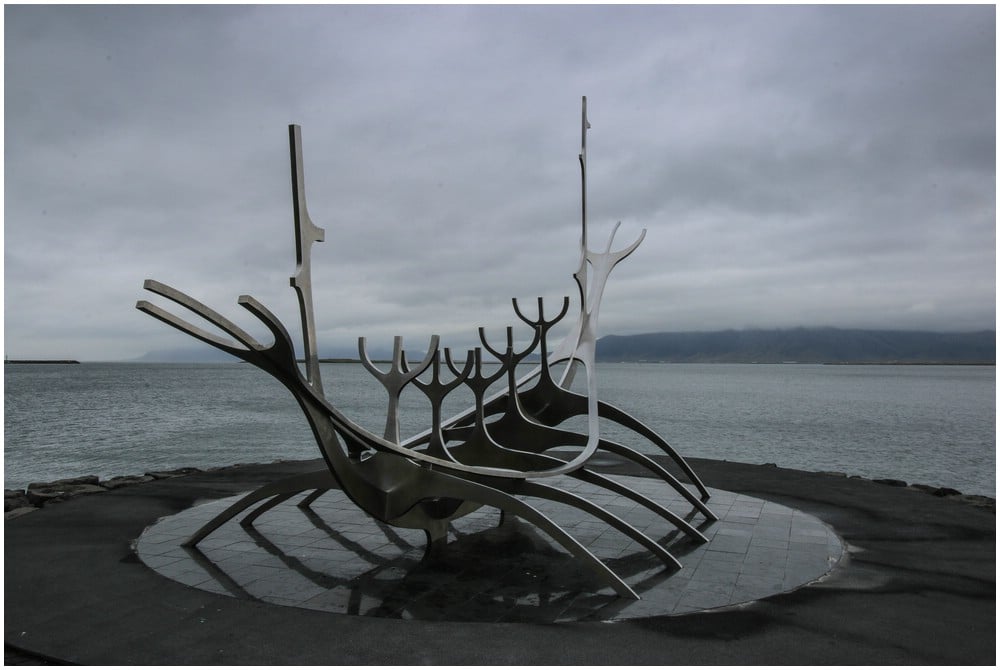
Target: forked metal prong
column 202, row 310
column 166, row 317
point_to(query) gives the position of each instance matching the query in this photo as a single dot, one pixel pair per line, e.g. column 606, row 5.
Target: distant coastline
column 830, row 346
column 63, row 361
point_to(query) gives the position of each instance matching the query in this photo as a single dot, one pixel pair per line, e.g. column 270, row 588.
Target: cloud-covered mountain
column 802, row 345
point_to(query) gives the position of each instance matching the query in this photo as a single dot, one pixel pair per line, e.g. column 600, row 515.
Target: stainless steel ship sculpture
column 494, row 453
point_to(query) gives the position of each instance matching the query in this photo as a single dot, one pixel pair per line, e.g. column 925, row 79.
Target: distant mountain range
column 802, row 345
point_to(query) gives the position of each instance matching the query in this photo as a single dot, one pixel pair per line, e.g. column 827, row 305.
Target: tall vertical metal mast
column 584, row 125
column 584, row 334
column 573, row 339
column 305, row 234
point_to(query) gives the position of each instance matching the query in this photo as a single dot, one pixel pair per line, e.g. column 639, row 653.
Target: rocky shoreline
column 17, row 502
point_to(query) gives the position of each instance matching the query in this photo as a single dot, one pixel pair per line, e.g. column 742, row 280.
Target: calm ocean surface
column 923, row 424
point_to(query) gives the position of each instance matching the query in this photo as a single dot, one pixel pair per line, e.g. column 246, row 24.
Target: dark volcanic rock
column 127, row 480
column 14, row 499
column 977, row 501
column 40, row 495
column 86, row 479
column 890, row 482
column 179, row 472
column 13, row 514
column 804, row 345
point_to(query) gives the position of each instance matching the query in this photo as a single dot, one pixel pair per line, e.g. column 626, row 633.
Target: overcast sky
column 794, row 166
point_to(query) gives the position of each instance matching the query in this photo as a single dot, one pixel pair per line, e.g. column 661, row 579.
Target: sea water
column 922, row 424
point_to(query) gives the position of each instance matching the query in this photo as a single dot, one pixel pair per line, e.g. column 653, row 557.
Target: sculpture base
column 335, row 558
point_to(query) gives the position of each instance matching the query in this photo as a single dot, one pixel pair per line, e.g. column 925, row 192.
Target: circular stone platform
column 335, row 558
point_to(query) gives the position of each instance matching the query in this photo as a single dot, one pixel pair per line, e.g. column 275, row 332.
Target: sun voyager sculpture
column 493, row 454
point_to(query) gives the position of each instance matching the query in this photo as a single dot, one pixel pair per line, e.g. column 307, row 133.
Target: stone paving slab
column 334, row 558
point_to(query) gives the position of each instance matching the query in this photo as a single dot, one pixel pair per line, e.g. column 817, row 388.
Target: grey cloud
column 795, row 165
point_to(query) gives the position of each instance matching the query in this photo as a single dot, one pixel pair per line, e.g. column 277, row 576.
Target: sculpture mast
column 581, row 274
column 569, row 346
column 305, row 234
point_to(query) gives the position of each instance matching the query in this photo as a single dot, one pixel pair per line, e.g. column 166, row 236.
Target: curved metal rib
column 479, row 447
column 557, row 495
column 664, row 474
column 551, row 404
column 487, row 495
column 626, row 420
column 597, row 479
column 521, row 436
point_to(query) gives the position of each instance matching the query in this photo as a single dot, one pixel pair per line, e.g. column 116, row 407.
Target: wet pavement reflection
column 335, row 558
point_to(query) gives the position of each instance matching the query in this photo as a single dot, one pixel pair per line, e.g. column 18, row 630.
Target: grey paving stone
column 737, row 530
column 768, row 543
column 729, row 544
column 335, row 558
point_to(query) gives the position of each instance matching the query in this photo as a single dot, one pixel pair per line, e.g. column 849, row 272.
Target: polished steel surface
column 305, row 234
column 464, row 462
